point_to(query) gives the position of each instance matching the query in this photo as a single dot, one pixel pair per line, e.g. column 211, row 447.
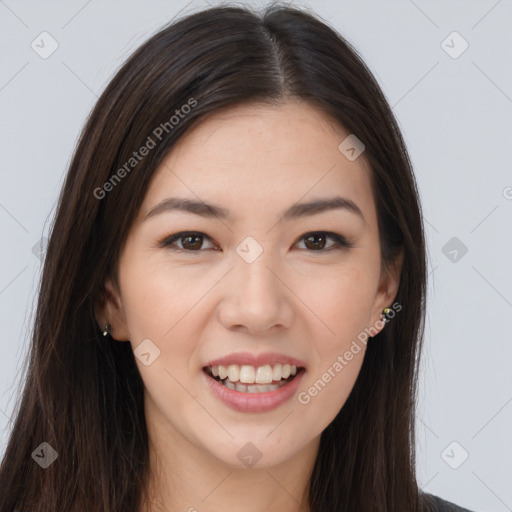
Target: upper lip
column 248, row 359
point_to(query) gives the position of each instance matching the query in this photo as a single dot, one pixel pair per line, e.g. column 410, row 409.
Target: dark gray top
column 440, row 505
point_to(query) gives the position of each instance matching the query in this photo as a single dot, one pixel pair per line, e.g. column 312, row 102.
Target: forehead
column 259, row 156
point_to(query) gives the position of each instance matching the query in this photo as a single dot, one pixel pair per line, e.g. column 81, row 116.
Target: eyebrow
column 296, row 211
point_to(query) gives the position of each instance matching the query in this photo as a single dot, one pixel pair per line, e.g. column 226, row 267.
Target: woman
column 231, row 307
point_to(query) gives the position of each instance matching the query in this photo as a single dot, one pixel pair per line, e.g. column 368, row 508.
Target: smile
column 247, row 374
column 253, row 389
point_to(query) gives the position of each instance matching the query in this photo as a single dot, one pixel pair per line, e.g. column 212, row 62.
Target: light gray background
column 455, row 114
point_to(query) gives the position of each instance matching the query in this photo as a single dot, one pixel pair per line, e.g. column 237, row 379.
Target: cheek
column 337, row 352
column 156, row 295
column 153, row 312
column 330, row 382
column 164, row 303
column 342, row 301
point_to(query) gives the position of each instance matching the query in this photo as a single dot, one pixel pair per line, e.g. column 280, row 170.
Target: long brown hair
column 84, row 396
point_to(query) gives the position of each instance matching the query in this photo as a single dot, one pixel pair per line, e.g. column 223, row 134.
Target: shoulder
column 440, row 505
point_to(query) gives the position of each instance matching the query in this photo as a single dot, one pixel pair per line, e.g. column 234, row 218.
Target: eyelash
column 341, row 242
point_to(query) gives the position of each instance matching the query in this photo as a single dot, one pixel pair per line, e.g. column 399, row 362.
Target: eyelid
column 168, row 240
column 341, row 241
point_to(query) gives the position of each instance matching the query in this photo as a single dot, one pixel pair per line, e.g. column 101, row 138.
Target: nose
column 257, row 298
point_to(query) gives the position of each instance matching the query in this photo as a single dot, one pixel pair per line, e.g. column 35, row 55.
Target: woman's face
column 264, row 282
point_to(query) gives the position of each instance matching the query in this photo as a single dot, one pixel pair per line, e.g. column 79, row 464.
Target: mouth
column 254, row 379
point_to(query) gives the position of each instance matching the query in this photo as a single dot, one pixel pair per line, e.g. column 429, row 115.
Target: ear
column 109, row 310
column 387, row 289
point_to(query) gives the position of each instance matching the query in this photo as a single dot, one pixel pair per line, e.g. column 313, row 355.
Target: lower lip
column 254, row 402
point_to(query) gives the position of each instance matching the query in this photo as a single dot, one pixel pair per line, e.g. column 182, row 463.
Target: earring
column 385, row 313
column 106, row 331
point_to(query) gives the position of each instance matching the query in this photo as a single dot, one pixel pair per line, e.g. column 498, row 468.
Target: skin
column 202, row 304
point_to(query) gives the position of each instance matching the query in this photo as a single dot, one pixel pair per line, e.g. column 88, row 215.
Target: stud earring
column 385, row 313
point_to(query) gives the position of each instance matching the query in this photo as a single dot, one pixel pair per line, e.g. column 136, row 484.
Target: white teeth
column 223, row 371
column 233, row 372
column 277, row 372
column 264, row 374
column 255, row 388
column 247, row 374
column 229, row 384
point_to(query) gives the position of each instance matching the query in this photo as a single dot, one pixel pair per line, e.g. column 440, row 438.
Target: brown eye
column 190, row 241
column 316, row 241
